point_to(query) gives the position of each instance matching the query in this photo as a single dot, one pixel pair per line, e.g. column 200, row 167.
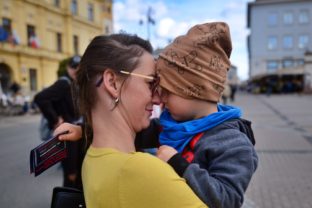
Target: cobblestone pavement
column 283, row 129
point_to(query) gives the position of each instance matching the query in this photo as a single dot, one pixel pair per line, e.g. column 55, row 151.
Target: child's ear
column 110, row 82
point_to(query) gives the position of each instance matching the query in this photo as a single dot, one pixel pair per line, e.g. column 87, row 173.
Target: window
column 33, row 79
column 304, row 17
column 57, row 3
column 288, row 42
column 300, row 62
column 288, row 18
column 272, row 66
column 272, row 19
column 7, row 25
column 106, row 29
column 288, row 63
column 31, row 35
column 90, row 12
column 74, row 7
column 272, row 42
column 58, row 42
column 303, row 41
column 76, row 44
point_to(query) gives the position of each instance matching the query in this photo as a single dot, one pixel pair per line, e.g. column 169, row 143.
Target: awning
column 280, row 72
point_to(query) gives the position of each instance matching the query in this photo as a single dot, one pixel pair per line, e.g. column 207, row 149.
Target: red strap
column 195, row 140
column 188, row 152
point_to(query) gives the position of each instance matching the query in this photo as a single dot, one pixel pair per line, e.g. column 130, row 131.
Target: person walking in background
column 226, row 93
column 233, row 88
column 57, row 106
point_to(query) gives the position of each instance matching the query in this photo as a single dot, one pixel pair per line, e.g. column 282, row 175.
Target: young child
column 206, row 143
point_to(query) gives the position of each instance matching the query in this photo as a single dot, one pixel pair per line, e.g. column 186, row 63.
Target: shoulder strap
column 245, row 127
column 188, row 152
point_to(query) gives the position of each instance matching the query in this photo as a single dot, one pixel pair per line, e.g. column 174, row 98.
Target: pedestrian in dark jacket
column 57, row 106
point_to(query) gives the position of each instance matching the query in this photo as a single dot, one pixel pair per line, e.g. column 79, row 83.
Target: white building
column 280, row 35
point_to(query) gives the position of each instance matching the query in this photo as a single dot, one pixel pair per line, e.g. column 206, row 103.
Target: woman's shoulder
column 146, row 181
column 148, row 169
column 144, row 162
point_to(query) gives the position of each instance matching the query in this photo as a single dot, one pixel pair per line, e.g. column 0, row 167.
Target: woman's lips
column 150, row 111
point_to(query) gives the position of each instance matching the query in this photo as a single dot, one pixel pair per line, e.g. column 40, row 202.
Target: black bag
column 65, row 197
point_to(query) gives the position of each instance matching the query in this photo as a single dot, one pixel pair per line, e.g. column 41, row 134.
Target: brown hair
column 116, row 52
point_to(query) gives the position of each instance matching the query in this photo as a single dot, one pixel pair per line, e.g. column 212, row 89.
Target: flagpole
column 148, row 22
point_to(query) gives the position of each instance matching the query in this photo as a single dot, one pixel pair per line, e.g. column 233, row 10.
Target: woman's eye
column 150, row 84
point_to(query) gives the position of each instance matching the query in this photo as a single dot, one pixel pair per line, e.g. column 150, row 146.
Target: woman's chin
column 146, row 124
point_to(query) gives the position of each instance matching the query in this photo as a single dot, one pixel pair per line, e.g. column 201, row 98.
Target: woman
column 117, row 89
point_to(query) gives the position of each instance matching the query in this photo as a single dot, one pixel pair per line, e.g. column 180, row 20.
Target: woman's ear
column 110, row 82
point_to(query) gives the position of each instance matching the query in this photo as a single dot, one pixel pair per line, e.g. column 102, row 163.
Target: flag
column 3, row 34
column 149, row 16
column 16, row 38
column 34, row 42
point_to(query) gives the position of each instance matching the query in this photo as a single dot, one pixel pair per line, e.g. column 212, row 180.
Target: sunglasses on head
column 153, row 84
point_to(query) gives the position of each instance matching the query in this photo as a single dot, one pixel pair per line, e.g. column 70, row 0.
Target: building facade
column 35, row 35
column 280, row 36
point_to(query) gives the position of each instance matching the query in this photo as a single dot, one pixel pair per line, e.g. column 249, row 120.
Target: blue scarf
column 178, row 135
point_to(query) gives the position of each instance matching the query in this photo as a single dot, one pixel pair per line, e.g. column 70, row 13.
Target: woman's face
column 137, row 96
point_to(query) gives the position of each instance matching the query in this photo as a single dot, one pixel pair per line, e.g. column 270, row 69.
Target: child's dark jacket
column 224, row 162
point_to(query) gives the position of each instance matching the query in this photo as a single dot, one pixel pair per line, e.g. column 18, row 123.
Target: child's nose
column 156, row 100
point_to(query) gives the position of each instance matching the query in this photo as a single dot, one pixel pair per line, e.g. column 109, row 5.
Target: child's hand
column 74, row 133
column 165, row 152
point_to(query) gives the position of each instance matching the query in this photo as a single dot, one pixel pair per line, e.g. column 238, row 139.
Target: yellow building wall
column 48, row 20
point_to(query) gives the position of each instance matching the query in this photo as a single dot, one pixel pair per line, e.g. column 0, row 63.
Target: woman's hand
column 74, row 132
column 165, row 152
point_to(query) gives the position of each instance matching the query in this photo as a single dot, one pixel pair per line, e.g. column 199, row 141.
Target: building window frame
column 288, row 42
column 303, row 41
column 90, row 12
column 31, row 34
column 74, row 7
column 299, row 62
column 7, row 25
column 304, row 17
column 76, row 44
column 272, row 42
column 272, row 65
column 288, row 18
column 288, row 63
column 59, row 45
column 33, row 79
column 57, row 3
column 272, row 19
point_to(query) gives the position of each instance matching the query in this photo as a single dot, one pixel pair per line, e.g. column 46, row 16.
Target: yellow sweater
column 114, row 179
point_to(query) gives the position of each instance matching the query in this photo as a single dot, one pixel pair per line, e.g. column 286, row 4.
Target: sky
column 175, row 17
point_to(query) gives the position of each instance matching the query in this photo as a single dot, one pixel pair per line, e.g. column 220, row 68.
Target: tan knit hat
column 195, row 65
